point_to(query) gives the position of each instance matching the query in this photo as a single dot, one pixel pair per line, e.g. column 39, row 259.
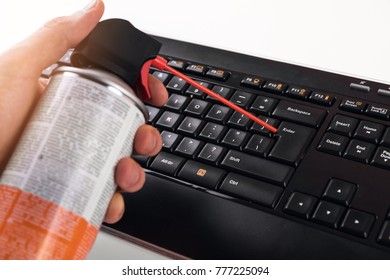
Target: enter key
column 292, row 142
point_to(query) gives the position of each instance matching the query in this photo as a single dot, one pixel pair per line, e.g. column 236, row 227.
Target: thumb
column 47, row 45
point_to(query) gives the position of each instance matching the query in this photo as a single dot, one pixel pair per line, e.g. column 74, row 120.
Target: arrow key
column 328, row 214
column 340, row 191
column 358, row 223
column 300, row 205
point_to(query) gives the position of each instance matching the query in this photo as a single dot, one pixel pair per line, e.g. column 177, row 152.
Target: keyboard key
column 257, row 128
column 292, row 142
column 369, row 131
column 212, row 132
column 359, row 151
column 259, row 145
column 218, row 74
column 297, row 92
column 176, row 102
column 177, row 64
column 384, row 235
column 274, row 87
column 258, row 167
column 163, row 77
column 169, row 120
column 169, row 140
column 358, row 223
column 386, row 138
column 355, row 106
column 153, row 113
column 242, row 98
column 201, row 174
column 193, row 91
column 167, row 163
column 219, row 113
column 300, row 205
column 343, row 125
column 333, row 144
column 252, row 190
column 321, row 98
column 196, row 69
column 340, row 191
column 235, row 138
column 251, row 82
column 299, row 113
column 65, row 59
column 382, row 158
column 177, row 85
column 188, row 147
column 263, row 105
column 239, row 121
column 197, row 108
column 211, row 153
column 378, row 111
column 328, row 214
column 190, row 126
column 141, row 160
column 225, row 92
column 46, row 73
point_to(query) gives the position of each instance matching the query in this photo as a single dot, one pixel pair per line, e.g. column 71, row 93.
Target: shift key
column 256, row 167
column 293, row 140
column 299, row 113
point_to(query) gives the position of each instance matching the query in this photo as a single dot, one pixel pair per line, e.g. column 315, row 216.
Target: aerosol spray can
column 57, row 186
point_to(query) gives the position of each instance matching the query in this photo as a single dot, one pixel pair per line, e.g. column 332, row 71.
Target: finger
column 129, row 176
column 147, row 141
column 50, row 42
column 115, row 209
column 158, row 91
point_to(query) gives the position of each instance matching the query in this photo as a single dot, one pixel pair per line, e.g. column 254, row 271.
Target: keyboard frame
column 199, row 223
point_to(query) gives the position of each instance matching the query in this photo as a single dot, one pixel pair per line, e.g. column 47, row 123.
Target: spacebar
column 258, row 167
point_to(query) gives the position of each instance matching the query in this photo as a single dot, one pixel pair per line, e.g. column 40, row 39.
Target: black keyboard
column 224, row 187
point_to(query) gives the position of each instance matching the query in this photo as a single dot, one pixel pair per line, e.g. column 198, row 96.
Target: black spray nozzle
column 118, row 47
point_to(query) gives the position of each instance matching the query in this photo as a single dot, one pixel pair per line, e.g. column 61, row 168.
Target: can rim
column 106, row 79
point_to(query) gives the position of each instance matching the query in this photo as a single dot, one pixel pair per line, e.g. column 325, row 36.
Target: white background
column 341, row 36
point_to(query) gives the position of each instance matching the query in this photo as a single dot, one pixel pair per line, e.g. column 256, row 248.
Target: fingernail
column 89, row 6
column 134, row 179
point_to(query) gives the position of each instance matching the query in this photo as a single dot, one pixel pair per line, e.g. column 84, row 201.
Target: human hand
column 21, row 88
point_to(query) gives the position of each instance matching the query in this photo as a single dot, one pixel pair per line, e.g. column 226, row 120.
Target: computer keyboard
column 224, row 187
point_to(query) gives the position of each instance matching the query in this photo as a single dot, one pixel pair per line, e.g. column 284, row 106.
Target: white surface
column 340, row 36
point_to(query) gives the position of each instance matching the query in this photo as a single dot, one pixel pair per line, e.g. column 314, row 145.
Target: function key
column 196, row 69
column 378, row 111
column 382, row 158
column 369, row 131
column 217, row 74
column 358, row 223
column 274, row 87
column 343, row 125
column 251, row 82
column 355, row 106
column 333, row 144
column 300, row 204
column 297, row 92
column 177, row 64
column 340, row 191
column 322, row 98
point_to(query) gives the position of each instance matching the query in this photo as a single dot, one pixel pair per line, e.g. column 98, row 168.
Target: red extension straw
column 161, row 64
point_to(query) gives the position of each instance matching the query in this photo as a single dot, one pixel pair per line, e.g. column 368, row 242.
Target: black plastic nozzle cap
column 116, row 46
